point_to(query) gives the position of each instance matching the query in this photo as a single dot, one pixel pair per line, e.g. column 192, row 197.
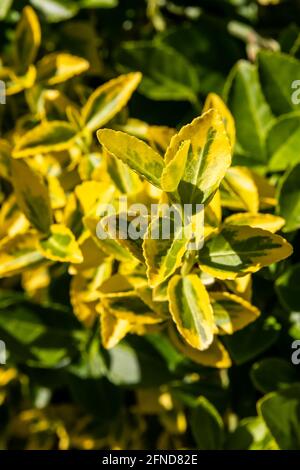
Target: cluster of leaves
column 145, row 343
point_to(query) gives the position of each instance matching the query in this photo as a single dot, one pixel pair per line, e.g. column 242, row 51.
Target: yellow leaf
column 215, row 356
column 209, row 157
column 214, row 101
column 52, row 136
column 269, row 222
column 191, row 310
column 239, row 191
column 108, row 100
column 232, row 313
column 58, row 67
column 60, row 245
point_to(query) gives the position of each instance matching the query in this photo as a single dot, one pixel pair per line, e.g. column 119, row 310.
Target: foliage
column 147, row 343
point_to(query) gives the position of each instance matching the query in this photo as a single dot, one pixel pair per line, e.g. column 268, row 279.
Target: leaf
column 191, row 310
column 207, row 426
column 232, row 313
column 52, row 136
column 107, row 100
column 32, row 195
column 109, row 245
column 59, row 67
column 281, row 413
column 277, row 72
column 250, row 342
column 128, row 230
column 19, row 253
column 283, row 142
column 60, row 245
column 113, row 329
column 164, row 245
column 208, row 158
column 239, row 250
column 213, row 101
column 39, row 336
column 128, row 306
column 215, row 356
column 269, row 222
column 56, row 10
column 272, row 374
column 27, row 39
column 174, row 170
column 167, row 75
column 250, row 110
column 238, row 190
column 251, row 434
column 289, row 199
column 134, row 152
column 287, row 288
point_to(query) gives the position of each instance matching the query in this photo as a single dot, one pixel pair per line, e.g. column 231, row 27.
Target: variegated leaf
column 58, row 67
column 231, row 312
column 213, row 101
column 19, row 253
column 191, row 310
column 52, row 136
column 134, row 152
column 269, row 222
column 209, row 156
column 61, row 245
column 27, row 39
column 215, row 356
column 238, row 250
column 239, row 191
column 107, row 100
column 164, row 245
column 32, row 195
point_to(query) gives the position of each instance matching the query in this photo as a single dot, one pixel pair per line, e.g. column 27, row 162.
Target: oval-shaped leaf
column 191, row 310
column 289, row 199
column 60, row 245
column 238, row 250
column 105, row 102
column 58, row 67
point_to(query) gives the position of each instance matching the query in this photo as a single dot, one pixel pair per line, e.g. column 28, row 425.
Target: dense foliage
column 147, row 343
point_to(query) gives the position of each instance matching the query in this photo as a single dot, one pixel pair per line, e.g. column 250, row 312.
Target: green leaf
column 272, row 374
column 287, row 288
column 134, row 152
column 208, row 157
column 167, row 75
column 191, row 310
column 250, row 110
column 289, row 199
column 27, row 39
column 277, row 72
column 253, row 340
column 239, row 250
column 207, row 426
column 251, row 434
column 32, row 195
column 283, row 142
column 281, row 413
column 52, row 136
column 107, row 100
column 37, row 335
